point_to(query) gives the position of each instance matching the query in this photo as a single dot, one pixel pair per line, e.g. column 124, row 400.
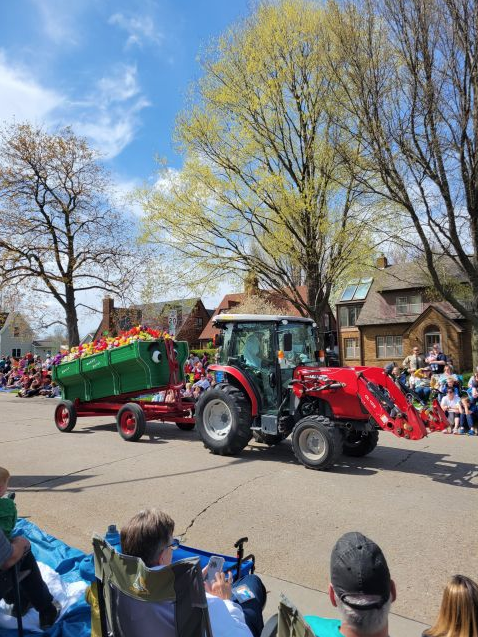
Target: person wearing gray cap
column 360, row 586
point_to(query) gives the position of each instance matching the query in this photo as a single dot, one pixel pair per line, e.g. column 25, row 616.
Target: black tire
column 232, row 411
column 357, row 443
column 268, row 439
column 327, row 436
column 65, row 416
column 185, row 426
column 131, row 422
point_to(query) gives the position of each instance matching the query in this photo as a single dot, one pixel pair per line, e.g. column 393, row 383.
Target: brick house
column 189, row 316
column 287, row 309
column 380, row 318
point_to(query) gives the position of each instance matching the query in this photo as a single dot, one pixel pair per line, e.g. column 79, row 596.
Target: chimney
column 251, row 284
column 108, row 309
column 382, row 262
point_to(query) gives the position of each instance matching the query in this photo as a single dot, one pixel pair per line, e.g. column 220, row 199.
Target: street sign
column 172, row 322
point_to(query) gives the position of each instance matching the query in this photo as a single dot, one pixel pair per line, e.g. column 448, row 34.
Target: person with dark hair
column 149, row 536
column 458, row 616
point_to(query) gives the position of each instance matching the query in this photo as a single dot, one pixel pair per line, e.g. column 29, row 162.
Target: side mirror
column 287, row 342
column 217, row 340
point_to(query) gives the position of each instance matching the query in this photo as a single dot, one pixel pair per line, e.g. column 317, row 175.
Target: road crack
column 219, row 499
column 404, row 460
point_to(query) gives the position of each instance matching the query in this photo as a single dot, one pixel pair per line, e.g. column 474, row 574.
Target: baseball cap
column 358, row 567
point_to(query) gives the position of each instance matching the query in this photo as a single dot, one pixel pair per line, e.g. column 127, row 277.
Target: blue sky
column 117, row 71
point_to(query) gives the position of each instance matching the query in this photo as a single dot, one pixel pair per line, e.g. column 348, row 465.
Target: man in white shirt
column 149, row 536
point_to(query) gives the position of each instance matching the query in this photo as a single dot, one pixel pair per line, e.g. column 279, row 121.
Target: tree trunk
column 71, row 317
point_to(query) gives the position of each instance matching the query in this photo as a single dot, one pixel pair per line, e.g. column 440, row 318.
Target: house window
column 351, row 348
column 16, row 331
column 409, row 304
column 431, row 338
column 198, row 321
column 389, row 346
column 349, row 315
column 356, row 289
column 16, row 352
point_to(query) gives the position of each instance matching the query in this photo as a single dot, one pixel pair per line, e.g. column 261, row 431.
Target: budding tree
column 60, row 234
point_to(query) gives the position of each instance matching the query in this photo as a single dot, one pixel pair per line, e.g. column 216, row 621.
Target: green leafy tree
column 406, row 78
column 263, row 187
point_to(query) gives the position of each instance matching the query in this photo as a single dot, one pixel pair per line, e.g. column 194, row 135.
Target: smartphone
column 214, row 566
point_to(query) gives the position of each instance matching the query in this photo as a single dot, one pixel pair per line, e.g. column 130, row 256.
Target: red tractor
column 273, row 387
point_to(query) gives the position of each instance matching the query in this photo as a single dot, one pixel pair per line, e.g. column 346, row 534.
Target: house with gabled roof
column 381, row 317
column 230, row 301
column 16, row 335
column 184, row 318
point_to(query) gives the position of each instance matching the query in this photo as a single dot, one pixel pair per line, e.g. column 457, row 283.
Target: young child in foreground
column 8, row 510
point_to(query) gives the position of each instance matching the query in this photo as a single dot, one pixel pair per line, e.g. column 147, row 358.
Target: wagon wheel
column 65, row 416
column 131, row 422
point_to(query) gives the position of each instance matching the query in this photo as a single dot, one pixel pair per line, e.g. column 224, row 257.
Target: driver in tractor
column 251, row 352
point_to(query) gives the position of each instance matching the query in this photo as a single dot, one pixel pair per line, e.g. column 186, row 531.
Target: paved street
column 418, row 500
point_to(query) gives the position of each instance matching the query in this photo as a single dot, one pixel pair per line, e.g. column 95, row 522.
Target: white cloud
column 110, row 116
column 59, row 19
column 140, row 29
column 23, row 98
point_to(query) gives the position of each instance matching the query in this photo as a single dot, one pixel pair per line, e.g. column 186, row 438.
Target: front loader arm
column 401, row 419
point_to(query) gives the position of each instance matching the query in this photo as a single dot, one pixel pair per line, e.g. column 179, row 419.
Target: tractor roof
column 251, row 318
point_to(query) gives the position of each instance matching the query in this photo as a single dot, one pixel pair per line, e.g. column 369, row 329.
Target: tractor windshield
column 303, row 344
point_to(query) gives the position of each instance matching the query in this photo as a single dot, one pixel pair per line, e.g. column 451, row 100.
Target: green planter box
column 139, row 366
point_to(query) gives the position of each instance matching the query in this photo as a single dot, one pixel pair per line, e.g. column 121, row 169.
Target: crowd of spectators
column 28, row 376
column 433, row 376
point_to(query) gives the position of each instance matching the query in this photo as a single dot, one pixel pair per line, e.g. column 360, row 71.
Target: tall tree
column 263, row 188
column 60, row 235
column 406, row 73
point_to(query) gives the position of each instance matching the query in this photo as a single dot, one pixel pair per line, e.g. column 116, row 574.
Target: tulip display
column 138, row 333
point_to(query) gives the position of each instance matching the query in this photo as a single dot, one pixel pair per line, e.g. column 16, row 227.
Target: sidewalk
column 313, row 602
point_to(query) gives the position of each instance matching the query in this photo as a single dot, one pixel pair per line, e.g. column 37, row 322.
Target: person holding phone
column 235, row 610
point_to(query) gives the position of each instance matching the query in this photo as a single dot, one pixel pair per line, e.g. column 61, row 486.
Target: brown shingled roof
column 233, row 300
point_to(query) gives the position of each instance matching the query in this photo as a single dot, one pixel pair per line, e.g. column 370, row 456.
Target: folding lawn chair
column 135, row 601
column 288, row 623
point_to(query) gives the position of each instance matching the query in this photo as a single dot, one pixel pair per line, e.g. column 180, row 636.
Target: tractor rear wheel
column 317, row 444
column 65, row 416
column 131, row 422
column 223, row 420
column 359, row 443
column 268, row 439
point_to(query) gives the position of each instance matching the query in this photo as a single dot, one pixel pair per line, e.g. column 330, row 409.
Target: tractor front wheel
column 65, row 416
column 131, row 422
column 317, row 444
column 359, row 443
column 223, row 419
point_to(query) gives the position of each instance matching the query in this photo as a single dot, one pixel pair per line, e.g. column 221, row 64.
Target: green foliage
column 264, row 187
column 200, row 353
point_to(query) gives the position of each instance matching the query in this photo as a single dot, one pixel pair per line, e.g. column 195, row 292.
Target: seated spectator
column 458, row 615
column 33, row 590
column 422, row 383
column 451, row 381
column 8, row 509
column 473, row 382
column 55, row 391
column 451, row 405
column 204, row 383
column 361, row 589
column 466, row 417
column 149, row 536
column 187, row 392
column 3, row 380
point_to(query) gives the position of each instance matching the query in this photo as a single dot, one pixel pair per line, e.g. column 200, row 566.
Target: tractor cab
column 266, row 349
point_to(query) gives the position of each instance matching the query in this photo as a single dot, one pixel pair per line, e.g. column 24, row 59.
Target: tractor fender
column 243, row 381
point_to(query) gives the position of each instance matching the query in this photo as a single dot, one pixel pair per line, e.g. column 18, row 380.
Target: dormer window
column 409, row 304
